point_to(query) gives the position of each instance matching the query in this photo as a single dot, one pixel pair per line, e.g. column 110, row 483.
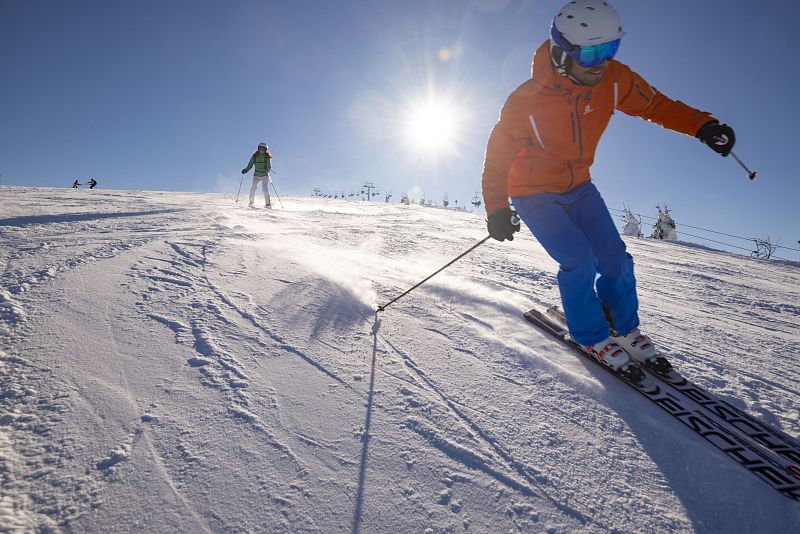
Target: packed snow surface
column 175, row 362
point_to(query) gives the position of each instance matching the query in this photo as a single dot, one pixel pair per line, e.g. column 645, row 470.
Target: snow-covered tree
column 664, row 228
column 632, row 226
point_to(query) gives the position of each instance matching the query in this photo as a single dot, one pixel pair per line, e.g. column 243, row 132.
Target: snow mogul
column 262, row 160
column 539, row 154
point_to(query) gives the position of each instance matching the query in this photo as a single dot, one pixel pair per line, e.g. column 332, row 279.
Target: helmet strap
column 562, row 62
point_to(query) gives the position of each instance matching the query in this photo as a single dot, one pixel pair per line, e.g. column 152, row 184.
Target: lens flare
column 431, row 126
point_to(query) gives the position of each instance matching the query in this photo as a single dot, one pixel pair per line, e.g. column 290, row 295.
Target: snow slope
column 173, row 362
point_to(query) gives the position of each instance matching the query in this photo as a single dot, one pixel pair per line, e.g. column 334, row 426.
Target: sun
column 431, row 126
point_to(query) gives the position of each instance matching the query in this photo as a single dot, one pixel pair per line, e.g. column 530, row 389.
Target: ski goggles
column 586, row 55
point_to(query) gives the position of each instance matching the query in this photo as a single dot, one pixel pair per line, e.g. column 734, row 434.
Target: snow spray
column 470, row 249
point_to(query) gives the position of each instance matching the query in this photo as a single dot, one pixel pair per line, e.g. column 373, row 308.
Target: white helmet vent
column 587, row 22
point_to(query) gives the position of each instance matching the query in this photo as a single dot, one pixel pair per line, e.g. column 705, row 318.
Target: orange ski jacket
column 549, row 128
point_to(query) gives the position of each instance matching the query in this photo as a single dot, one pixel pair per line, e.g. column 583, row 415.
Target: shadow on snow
column 29, row 220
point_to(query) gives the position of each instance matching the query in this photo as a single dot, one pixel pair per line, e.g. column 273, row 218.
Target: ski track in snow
column 173, row 362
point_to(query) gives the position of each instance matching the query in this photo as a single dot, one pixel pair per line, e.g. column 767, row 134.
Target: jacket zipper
column 575, row 116
column 571, row 176
column 580, row 133
column 572, row 123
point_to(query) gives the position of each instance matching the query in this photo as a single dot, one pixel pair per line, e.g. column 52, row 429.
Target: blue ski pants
column 595, row 271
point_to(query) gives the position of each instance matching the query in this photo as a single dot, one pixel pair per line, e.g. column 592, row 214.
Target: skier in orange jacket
column 539, row 154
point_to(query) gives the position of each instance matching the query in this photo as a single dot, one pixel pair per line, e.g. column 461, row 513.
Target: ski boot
column 641, row 348
column 610, row 354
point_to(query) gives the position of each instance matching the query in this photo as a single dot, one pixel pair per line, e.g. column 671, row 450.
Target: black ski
column 779, row 472
column 768, row 437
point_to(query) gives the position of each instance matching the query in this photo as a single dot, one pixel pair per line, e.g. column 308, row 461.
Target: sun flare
column 432, row 126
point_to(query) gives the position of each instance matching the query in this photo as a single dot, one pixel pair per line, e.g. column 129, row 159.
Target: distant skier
column 262, row 160
column 92, row 183
column 539, row 154
column 75, row 184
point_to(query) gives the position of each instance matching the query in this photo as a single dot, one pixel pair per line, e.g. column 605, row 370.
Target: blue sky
column 175, row 95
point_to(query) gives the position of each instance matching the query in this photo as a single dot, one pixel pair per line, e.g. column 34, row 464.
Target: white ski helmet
column 588, row 22
column 584, row 30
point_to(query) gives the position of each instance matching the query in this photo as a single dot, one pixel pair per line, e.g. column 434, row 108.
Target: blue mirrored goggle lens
column 593, row 55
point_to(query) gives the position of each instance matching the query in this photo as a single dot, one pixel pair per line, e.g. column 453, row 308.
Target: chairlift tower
column 369, row 186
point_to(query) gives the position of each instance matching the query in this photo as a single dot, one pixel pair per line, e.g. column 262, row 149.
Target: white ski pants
column 264, row 187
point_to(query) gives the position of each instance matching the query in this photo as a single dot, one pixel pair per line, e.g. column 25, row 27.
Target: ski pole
column 750, row 174
column 276, row 191
column 240, row 189
column 470, row 249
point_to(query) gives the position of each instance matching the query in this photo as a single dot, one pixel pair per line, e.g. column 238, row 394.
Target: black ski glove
column 501, row 226
column 244, row 171
column 718, row 137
